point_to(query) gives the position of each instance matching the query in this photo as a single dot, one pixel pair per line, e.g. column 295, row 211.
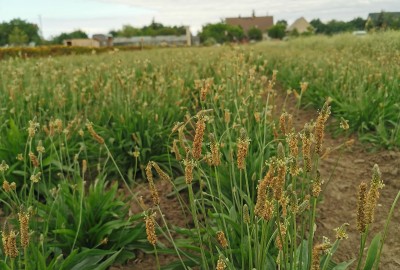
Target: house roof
column 263, row 23
column 301, row 25
column 375, row 16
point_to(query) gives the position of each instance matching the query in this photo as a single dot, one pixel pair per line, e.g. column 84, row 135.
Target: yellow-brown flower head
column 373, row 194
column 282, row 123
column 93, row 133
column 151, row 229
column 246, row 214
column 34, row 160
column 262, row 189
column 10, row 244
column 320, row 127
column 215, row 152
column 33, row 126
column 24, row 228
column 341, row 232
column 189, row 165
column 153, row 190
column 3, row 166
column 198, row 137
column 221, row 265
column 280, row 236
column 316, row 255
column 163, row 175
column 227, row 116
column 222, row 239
column 316, row 185
column 361, row 205
column 175, row 150
column 306, row 140
column 243, row 148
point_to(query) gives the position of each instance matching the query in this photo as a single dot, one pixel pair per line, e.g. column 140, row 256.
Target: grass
column 75, row 130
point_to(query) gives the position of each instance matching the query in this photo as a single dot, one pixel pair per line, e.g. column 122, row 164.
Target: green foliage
column 63, row 36
column 20, row 31
column 153, row 29
column 17, row 37
column 221, row 32
column 255, row 34
column 277, row 31
column 335, row 26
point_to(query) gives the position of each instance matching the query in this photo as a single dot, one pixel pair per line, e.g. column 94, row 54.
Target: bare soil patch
column 346, row 169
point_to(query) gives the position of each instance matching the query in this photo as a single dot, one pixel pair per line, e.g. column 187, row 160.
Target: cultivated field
column 204, row 158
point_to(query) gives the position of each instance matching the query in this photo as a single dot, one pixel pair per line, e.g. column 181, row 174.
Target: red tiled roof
column 262, row 23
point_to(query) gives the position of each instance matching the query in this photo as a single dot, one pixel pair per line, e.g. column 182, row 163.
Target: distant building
column 375, row 16
column 105, row 40
column 170, row 40
column 300, row 25
column 263, row 23
column 82, row 42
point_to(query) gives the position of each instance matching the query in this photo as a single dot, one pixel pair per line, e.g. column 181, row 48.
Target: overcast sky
column 100, row 16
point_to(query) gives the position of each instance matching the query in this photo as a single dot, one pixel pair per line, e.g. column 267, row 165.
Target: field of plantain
column 79, row 133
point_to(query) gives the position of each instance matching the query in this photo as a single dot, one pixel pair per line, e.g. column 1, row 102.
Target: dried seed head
column 151, row 230
column 175, row 150
column 320, row 127
column 246, row 214
column 33, row 126
column 153, row 190
column 373, row 194
column 316, row 255
column 3, row 166
column 84, row 166
column 215, row 153
column 341, row 232
column 34, row 160
column 160, row 172
column 40, row 149
column 279, row 180
column 280, row 236
column 222, row 239
column 257, row 117
column 262, row 193
column 306, row 140
column 10, row 244
column 344, row 124
column 198, row 137
column 35, row 178
column 93, row 133
column 243, row 148
column 189, row 165
column 282, row 123
column 316, row 185
column 227, row 116
column 6, row 186
column 303, row 87
column 361, row 205
column 221, row 264
column 24, row 228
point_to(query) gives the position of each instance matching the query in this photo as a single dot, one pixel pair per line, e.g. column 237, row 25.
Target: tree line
column 19, row 32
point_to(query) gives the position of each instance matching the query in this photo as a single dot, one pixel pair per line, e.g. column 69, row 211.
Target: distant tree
column 254, row 34
column 277, row 31
column 284, row 22
column 319, row 26
column 357, row 23
column 75, row 34
column 221, row 32
column 18, row 37
column 153, row 29
column 29, row 29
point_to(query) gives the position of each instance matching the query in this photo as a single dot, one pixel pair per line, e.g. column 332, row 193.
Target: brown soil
column 174, row 216
column 343, row 170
